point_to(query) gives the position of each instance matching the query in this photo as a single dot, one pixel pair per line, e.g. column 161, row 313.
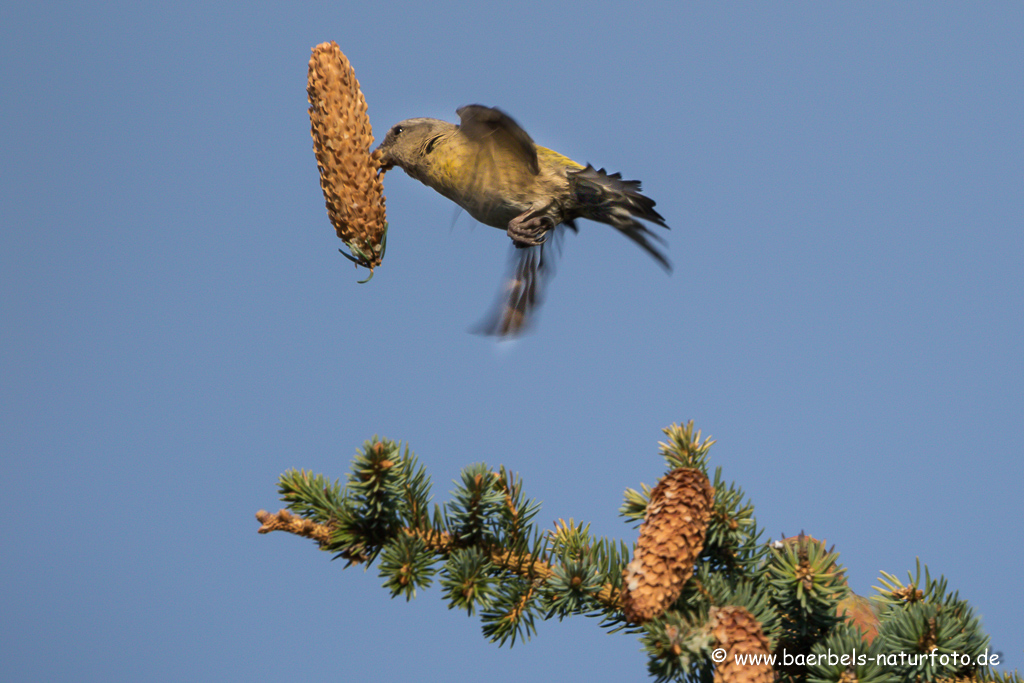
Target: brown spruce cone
column 860, row 612
column 739, row 633
column 671, row 538
column 342, row 138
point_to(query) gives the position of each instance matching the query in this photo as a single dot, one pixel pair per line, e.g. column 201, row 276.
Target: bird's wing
column 502, row 166
column 496, row 132
column 522, row 293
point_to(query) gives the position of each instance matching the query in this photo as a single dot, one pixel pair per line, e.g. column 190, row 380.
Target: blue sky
column 845, row 187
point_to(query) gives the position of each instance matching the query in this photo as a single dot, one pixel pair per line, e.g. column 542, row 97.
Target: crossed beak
column 386, row 162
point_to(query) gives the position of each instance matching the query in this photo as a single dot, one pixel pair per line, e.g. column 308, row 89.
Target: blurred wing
column 522, row 293
column 497, row 133
column 504, row 162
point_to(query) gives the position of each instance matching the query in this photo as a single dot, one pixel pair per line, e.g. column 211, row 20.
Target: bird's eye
column 396, row 131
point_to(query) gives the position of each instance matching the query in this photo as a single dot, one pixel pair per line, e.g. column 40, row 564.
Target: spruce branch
column 284, row 520
column 697, row 578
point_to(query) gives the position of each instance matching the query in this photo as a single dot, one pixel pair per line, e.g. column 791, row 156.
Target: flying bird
column 492, row 168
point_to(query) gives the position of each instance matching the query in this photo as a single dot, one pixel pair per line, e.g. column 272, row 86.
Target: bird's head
column 409, row 142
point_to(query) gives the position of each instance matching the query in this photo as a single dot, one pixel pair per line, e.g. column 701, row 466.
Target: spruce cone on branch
column 671, row 538
column 738, row 633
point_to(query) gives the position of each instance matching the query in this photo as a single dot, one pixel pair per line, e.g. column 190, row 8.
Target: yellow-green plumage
column 489, row 166
column 553, row 158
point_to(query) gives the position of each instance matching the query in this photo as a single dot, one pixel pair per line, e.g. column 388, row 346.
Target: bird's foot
column 530, row 231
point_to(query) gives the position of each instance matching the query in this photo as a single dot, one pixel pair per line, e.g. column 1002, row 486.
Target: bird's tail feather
column 609, row 199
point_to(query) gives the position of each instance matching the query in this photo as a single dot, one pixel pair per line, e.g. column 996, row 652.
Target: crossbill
column 492, row 168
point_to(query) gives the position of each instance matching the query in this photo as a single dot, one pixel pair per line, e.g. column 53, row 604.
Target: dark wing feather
column 522, row 294
column 492, row 127
column 504, row 162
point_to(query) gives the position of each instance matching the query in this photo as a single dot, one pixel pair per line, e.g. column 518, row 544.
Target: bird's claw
column 530, row 232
